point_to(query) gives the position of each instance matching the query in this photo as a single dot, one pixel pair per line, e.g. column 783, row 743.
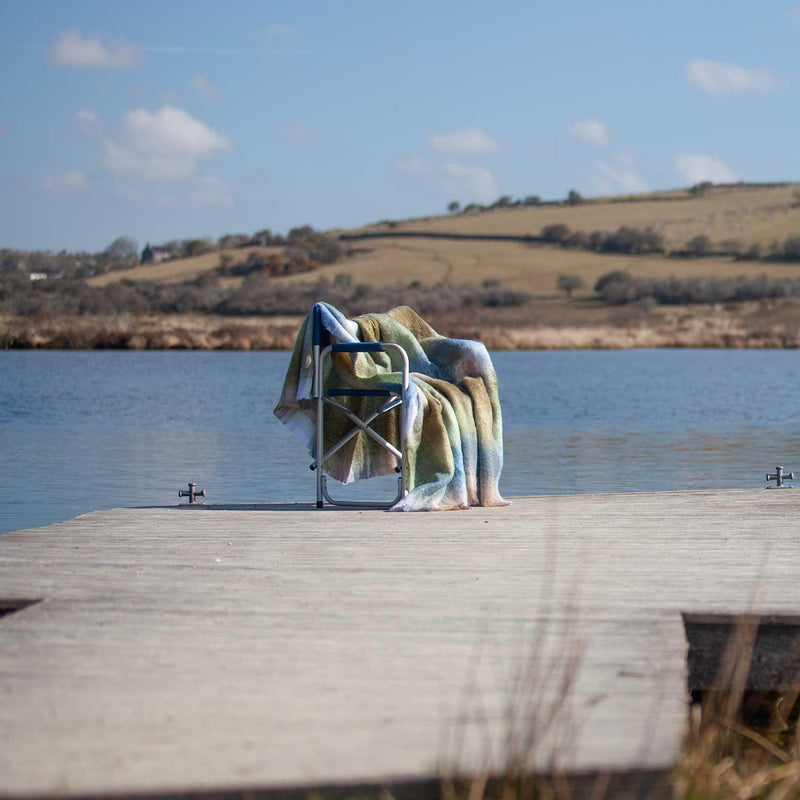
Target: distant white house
column 38, row 276
column 154, row 255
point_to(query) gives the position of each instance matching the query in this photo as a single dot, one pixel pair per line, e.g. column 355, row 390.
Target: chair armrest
column 357, row 347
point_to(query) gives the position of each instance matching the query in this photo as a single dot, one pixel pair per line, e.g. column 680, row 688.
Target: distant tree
column 174, row 248
column 206, row 279
column 699, row 245
column 472, row 207
column 225, row 263
column 574, row 197
column 12, row 261
column 557, row 233
column 122, row 249
column 699, row 189
column 255, row 262
column 301, row 233
column 732, row 247
column 569, row 283
column 596, row 240
column 262, row 237
column 196, row 247
column 532, row 200
column 233, row 240
column 753, row 253
column 326, row 250
column 454, row 207
column 577, row 240
column 615, row 276
column 633, row 241
column 502, row 202
column 791, row 248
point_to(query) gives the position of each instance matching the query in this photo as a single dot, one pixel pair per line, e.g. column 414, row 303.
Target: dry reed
column 127, row 332
column 197, row 332
column 722, row 758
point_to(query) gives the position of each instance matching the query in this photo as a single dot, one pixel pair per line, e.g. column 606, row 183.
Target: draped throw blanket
column 454, row 446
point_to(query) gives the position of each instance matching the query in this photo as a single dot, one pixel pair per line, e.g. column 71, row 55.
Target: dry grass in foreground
column 723, row 759
column 725, row 756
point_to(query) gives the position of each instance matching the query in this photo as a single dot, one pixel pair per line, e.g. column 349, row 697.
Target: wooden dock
column 211, row 649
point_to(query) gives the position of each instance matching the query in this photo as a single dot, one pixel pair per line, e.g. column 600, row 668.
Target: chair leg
column 319, row 455
column 318, row 393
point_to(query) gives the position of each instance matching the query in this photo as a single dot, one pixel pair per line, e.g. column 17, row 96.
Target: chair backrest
column 319, row 336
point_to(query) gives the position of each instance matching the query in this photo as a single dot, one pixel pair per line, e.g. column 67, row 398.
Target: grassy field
column 749, row 215
column 180, row 269
column 534, row 268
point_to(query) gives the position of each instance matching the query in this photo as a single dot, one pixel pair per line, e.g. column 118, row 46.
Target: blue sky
column 178, row 119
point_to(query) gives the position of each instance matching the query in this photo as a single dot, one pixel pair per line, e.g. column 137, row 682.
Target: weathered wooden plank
column 204, row 648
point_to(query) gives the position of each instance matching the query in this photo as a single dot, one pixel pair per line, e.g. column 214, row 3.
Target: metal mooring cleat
column 780, row 476
column 192, row 493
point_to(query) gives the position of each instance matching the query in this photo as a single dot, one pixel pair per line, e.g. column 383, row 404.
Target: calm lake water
column 84, row 431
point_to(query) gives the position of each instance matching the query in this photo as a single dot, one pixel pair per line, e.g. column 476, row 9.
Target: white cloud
column 88, row 121
column 160, row 147
column 277, row 29
column 590, row 130
column 74, row 49
column 466, row 182
column 65, row 183
column 415, row 166
column 696, row 168
column 182, row 49
column 622, row 178
column 202, row 192
column 298, row 132
column 715, row 76
column 470, row 183
column 471, row 140
column 205, row 87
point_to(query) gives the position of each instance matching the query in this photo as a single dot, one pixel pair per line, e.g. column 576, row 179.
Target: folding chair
column 326, row 396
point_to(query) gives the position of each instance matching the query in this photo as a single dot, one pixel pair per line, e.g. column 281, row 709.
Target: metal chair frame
column 322, row 396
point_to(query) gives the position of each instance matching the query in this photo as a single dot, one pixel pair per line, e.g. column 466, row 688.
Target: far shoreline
column 696, row 328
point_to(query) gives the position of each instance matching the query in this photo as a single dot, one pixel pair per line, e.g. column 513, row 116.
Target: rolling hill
column 735, row 216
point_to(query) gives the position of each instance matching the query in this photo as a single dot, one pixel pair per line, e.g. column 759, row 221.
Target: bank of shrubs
column 120, row 254
column 625, row 239
column 619, row 288
column 303, row 249
column 258, row 295
column 628, row 240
